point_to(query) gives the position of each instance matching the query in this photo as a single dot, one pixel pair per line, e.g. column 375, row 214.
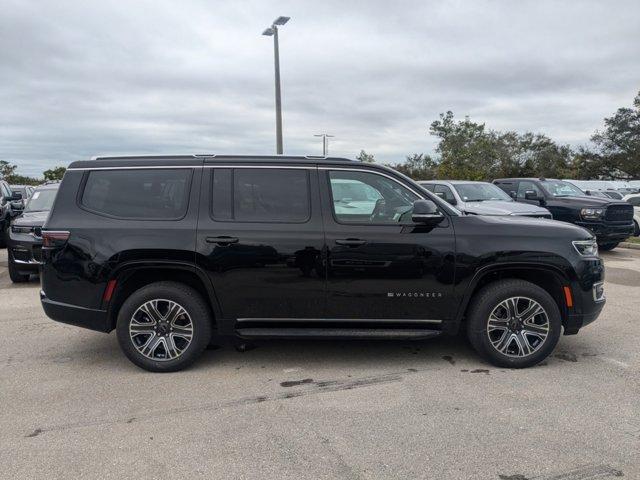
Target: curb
column 633, row 246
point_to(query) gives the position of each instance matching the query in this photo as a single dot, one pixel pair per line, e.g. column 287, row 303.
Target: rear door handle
column 351, row 242
column 222, row 240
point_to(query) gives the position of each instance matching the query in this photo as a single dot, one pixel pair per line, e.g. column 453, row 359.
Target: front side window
column 445, row 193
column 148, row 194
column 277, row 195
column 526, row 186
column 363, row 197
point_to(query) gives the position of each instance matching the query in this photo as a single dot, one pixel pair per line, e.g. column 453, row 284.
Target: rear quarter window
column 144, row 194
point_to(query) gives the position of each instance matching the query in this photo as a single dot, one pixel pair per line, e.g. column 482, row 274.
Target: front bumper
column 588, row 296
column 608, row 233
column 25, row 251
column 75, row 315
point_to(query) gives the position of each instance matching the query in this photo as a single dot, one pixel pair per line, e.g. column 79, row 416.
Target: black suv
column 7, row 197
column 610, row 221
column 174, row 251
column 25, row 236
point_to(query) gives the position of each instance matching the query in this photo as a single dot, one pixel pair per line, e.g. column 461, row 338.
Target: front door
column 380, row 265
column 260, row 240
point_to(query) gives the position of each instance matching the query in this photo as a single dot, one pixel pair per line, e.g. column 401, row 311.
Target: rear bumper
column 75, row 315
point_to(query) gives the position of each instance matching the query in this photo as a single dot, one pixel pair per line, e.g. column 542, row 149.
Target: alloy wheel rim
column 161, row 330
column 518, row 327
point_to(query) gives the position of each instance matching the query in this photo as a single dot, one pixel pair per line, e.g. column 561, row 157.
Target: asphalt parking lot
column 72, row 406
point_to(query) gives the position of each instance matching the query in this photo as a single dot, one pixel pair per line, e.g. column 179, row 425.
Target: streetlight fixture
column 325, row 142
column 272, row 31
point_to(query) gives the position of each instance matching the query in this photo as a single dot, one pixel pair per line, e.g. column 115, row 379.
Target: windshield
column 558, row 188
column 42, row 200
column 479, row 192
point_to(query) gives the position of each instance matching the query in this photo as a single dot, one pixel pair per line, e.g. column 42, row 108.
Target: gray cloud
column 84, row 78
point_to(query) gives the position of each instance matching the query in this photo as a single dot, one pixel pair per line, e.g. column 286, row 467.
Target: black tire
column 605, row 247
column 636, row 229
column 196, row 309
column 14, row 275
column 4, row 233
column 488, row 299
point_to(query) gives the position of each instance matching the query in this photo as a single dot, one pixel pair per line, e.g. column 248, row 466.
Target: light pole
column 272, row 31
column 325, row 142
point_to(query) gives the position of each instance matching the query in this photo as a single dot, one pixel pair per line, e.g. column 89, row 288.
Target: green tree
column 365, row 157
column 7, row 170
column 619, row 143
column 467, row 150
column 419, row 167
column 55, row 173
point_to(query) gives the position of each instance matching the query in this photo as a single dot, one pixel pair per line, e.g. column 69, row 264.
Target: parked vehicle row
column 174, row 251
column 611, row 221
column 25, row 237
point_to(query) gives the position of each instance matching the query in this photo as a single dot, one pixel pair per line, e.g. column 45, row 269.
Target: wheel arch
column 549, row 278
column 133, row 276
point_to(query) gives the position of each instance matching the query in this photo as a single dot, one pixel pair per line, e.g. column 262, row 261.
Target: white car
column 635, row 201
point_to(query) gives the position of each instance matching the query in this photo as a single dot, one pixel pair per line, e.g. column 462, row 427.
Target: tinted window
column 362, row 197
column 562, row 189
column 222, row 194
column 142, row 194
column 261, row 195
column 4, row 190
column 428, row 186
column 635, row 201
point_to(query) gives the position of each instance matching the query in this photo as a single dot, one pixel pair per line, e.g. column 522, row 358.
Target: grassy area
column 633, row 240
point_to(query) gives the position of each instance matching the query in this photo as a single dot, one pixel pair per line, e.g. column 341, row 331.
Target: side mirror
column 15, row 197
column 513, row 194
column 531, row 195
column 426, row 212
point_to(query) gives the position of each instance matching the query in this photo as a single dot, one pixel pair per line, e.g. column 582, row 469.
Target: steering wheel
column 379, row 210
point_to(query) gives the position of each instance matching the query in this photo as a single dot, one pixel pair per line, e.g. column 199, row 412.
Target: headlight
column 591, row 213
column 586, row 248
column 16, row 229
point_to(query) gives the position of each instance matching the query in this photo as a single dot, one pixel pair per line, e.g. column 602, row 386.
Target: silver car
column 481, row 198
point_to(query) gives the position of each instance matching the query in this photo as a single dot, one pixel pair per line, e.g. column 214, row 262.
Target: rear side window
column 277, row 195
column 151, row 194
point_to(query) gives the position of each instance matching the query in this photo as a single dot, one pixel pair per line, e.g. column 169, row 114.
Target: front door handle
column 223, row 240
column 351, row 242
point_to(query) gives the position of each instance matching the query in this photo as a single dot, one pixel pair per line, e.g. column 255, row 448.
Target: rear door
column 260, row 240
column 380, row 265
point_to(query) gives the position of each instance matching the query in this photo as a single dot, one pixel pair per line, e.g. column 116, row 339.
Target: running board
column 364, row 333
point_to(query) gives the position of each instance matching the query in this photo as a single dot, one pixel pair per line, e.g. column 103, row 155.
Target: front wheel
column 164, row 327
column 605, row 247
column 636, row 229
column 14, row 274
column 513, row 323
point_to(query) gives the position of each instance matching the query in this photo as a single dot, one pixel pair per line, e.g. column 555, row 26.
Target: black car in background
column 7, row 198
column 610, row 221
column 25, row 192
column 173, row 252
column 25, row 236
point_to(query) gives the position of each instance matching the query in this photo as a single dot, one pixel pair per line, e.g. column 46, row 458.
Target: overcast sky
column 84, row 78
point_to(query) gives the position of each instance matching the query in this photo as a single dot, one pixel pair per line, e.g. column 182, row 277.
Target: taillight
column 54, row 238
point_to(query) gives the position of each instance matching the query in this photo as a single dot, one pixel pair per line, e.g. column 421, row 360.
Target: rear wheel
column 513, row 323
column 636, row 229
column 605, row 247
column 14, row 274
column 164, row 327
